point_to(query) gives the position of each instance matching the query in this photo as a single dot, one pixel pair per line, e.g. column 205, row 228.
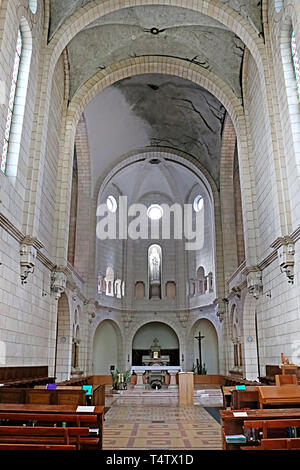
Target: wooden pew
column 85, row 380
column 24, row 376
column 280, row 444
column 76, row 436
column 273, row 370
column 287, row 379
column 42, row 396
column 235, row 425
column 267, row 425
column 242, row 399
column 34, row 447
column 56, row 415
column 98, row 392
column 237, row 399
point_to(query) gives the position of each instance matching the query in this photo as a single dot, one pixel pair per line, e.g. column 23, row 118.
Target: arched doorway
column 107, row 348
column 144, row 338
column 209, row 345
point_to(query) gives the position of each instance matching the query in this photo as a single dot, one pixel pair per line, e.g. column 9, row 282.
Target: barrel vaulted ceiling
column 161, row 110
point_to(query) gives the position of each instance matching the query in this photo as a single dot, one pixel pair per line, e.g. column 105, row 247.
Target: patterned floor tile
column 129, row 425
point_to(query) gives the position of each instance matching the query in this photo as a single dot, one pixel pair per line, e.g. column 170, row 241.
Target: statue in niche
column 155, row 266
column 154, row 263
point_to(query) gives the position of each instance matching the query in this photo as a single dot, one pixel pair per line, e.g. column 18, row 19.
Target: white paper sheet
column 85, row 409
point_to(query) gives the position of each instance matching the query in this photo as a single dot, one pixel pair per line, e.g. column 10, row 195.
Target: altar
column 155, row 375
column 155, row 368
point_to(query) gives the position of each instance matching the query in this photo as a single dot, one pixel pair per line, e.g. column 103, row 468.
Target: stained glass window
column 11, row 102
column 296, row 60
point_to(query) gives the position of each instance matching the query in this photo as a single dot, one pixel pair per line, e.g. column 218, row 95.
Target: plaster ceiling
column 154, row 110
column 184, row 34
column 60, row 11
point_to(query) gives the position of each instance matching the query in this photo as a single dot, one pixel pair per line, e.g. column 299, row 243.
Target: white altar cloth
column 167, row 368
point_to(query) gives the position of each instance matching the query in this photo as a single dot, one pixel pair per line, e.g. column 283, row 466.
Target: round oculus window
column 155, row 212
column 198, row 203
column 111, row 204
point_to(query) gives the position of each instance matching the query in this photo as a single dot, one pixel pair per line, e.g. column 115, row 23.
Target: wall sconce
column 182, row 357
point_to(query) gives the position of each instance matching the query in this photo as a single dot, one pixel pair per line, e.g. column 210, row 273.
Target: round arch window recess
column 111, row 204
column 155, row 212
column 278, row 4
column 198, row 203
column 33, row 5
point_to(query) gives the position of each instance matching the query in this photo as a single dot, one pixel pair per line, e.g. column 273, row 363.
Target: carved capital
column 90, row 308
column 220, row 308
column 254, row 280
column 183, row 318
column 58, row 283
column 285, row 247
column 28, row 253
column 128, row 319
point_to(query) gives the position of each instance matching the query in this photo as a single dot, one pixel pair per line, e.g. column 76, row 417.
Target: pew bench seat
column 76, row 436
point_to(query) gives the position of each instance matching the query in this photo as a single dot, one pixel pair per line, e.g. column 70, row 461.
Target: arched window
column 17, row 100
column 33, row 6
column 296, row 61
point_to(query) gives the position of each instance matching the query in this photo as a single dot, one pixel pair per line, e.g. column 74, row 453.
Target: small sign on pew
column 240, row 387
column 85, row 409
column 240, row 414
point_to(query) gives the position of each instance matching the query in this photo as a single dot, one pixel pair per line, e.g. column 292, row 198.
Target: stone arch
column 157, row 319
column 205, row 177
column 209, row 348
column 92, row 12
column 289, row 106
column 167, row 337
column 63, row 340
column 232, row 218
column 155, row 65
column 217, row 10
column 107, row 347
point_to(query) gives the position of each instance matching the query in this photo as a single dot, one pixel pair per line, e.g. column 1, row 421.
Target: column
column 139, row 380
column 173, row 375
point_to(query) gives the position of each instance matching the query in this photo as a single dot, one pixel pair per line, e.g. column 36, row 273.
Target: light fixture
column 111, row 204
column 155, row 212
column 198, row 203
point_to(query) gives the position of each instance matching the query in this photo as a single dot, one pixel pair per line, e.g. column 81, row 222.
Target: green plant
column 114, row 374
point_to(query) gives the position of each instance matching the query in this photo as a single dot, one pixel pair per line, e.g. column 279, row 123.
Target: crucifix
column 200, row 338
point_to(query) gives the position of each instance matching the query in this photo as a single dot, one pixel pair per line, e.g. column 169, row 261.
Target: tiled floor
column 142, row 421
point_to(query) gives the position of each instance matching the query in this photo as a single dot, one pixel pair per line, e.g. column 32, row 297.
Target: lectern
column 186, row 388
